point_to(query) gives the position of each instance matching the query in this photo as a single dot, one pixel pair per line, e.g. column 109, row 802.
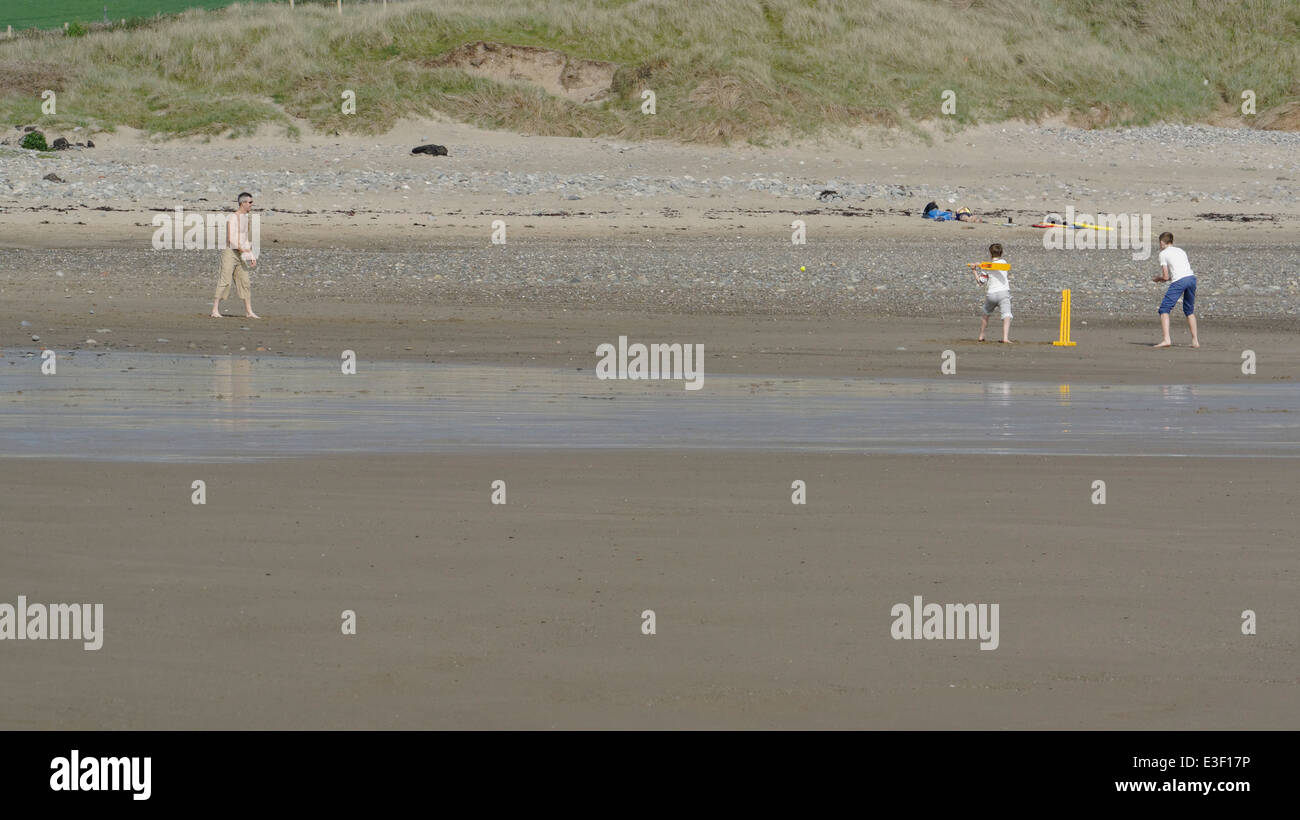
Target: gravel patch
column 855, row 277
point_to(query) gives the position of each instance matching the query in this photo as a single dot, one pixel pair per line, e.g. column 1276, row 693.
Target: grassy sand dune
column 721, row 69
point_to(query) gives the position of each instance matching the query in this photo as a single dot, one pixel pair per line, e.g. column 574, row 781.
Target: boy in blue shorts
column 1177, row 271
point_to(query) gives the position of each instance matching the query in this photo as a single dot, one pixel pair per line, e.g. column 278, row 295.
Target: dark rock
column 53, row 178
column 431, row 149
column 61, row 144
column 828, row 195
column 90, row 143
column 27, row 129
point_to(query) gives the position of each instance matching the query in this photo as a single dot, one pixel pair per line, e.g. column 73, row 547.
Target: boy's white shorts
column 1000, row 299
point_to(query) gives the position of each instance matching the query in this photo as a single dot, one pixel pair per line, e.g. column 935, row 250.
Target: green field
column 54, row 13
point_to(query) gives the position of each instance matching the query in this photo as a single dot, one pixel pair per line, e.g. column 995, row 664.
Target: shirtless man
column 236, row 259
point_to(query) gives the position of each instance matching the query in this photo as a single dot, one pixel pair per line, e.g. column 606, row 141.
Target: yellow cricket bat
column 989, row 265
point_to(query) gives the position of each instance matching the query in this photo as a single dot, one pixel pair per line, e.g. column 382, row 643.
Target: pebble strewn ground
column 89, row 181
column 314, row 168
column 880, row 277
column 1185, row 136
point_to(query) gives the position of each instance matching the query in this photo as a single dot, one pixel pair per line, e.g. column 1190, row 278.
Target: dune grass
column 722, row 70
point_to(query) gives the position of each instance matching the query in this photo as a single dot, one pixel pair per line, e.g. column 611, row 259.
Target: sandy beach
column 324, row 190
column 365, row 245
column 1123, row 615
column 528, row 615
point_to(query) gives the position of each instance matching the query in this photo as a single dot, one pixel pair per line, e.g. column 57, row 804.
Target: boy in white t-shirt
column 998, row 295
column 1177, row 271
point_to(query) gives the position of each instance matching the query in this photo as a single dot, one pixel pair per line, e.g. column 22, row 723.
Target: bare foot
column 1007, row 342
column 252, row 316
column 216, row 316
column 980, row 339
column 1163, row 344
column 1195, row 343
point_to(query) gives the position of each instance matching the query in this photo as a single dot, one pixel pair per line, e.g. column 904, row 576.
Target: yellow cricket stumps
column 1064, row 341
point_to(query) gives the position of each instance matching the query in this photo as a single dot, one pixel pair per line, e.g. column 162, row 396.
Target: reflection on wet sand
column 155, row 407
column 231, row 384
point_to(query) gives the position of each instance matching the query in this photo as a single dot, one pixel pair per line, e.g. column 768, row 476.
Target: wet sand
column 768, row 614
column 880, row 346
column 188, row 408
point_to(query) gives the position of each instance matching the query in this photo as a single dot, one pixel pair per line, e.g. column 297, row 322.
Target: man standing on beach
column 1175, row 269
column 236, row 258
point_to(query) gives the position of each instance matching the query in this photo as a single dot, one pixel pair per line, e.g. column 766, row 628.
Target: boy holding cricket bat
column 1177, row 271
column 998, row 295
